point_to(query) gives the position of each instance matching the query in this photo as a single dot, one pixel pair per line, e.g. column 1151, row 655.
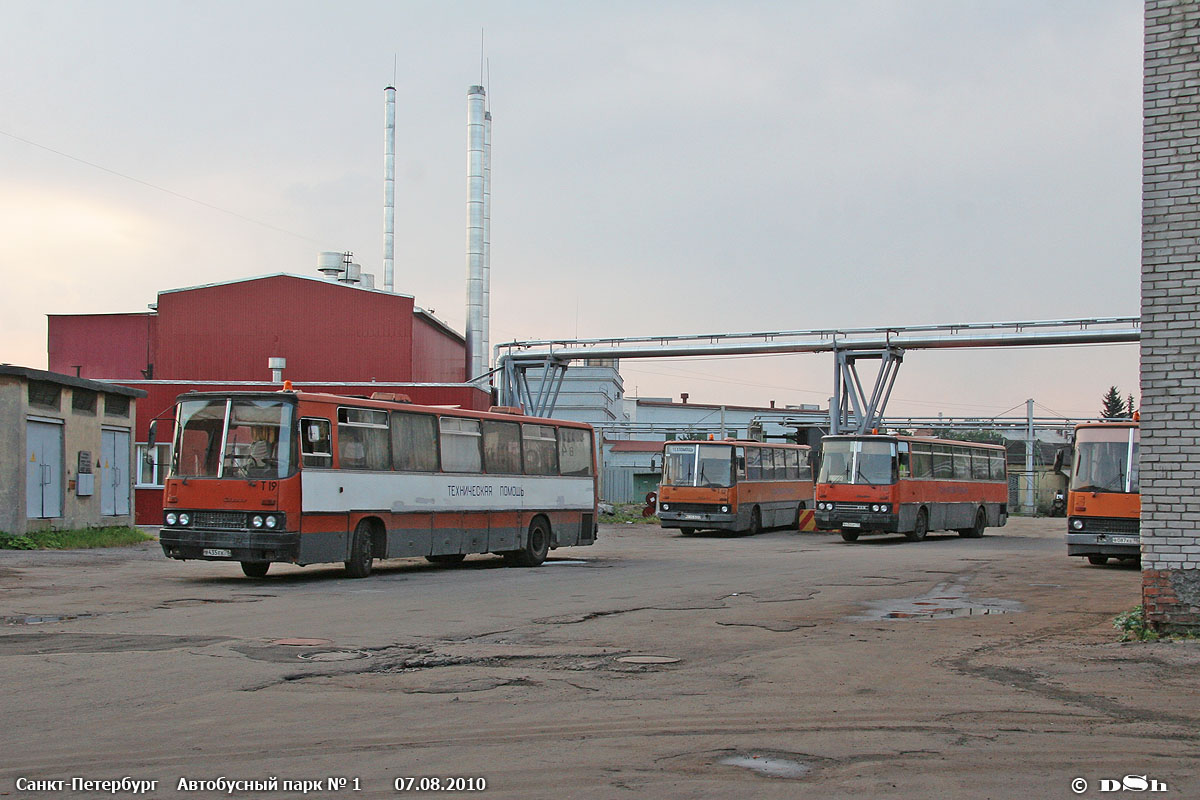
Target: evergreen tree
column 1114, row 404
column 1129, row 407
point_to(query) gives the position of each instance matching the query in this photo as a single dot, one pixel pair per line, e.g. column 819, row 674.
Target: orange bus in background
column 730, row 485
column 1103, row 502
column 305, row 478
column 910, row 485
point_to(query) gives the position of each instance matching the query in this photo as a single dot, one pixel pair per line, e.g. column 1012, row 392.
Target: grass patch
column 631, row 513
column 1134, row 628
column 81, row 539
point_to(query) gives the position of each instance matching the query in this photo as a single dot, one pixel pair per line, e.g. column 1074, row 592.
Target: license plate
column 216, row 552
column 851, row 524
column 690, row 516
column 1124, row 540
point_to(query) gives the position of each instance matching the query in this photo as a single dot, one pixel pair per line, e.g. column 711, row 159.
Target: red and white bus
column 910, row 485
column 259, row 477
column 1104, row 502
column 730, row 485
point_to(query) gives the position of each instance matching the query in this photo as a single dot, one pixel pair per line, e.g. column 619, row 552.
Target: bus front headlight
column 665, row 506
column 256, row 521
column 272, row 521
column 1077, row 524
column 184, row 518
column 724, row 509
column 172, row 518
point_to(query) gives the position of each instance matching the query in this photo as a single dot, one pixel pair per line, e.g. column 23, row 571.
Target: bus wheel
column 256, row 569
column 976, row 531
column 920, row 527
column 689, row 531
column 537, row 546
column 755, row 522
column 361, row 554
column 850, row 536
column 1099, row 561
column 446, row 558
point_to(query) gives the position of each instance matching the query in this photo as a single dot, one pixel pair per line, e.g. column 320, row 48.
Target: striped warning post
column 808, row 520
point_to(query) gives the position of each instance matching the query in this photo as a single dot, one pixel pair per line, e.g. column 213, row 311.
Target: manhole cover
column 333, row 655
column 648, row 659
column 302, row 642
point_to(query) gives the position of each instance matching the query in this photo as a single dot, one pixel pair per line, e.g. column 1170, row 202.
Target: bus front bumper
column 223, row 545
column 697, row 519
column 856, row 521
column 1104, row 544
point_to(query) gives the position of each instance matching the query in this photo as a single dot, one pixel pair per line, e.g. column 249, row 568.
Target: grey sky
column 661, row 167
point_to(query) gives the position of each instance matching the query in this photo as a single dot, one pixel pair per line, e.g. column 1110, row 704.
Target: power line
column 171, row 192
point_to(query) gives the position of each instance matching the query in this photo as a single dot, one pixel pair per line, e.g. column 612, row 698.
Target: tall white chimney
column 487, row 240
column 476, row 359
column 389, row 186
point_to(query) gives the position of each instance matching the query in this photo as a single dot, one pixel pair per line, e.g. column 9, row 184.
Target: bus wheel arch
column 365, row 542
column 537, row 544
column 977, row 528
column 755, row 521
column 920, row 525
column 255, row 569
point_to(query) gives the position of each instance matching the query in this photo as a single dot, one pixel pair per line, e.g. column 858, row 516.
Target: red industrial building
column 335, row 337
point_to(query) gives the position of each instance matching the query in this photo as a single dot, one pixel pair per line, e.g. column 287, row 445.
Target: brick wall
column 1170, row 357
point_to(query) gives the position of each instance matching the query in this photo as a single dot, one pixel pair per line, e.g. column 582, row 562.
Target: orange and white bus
column 910, row 485
column 260, row 477
column 732, row 485
column 1103, row 500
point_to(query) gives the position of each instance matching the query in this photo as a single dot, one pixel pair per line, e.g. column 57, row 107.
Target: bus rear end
column 233, row 493
column 1103, row 503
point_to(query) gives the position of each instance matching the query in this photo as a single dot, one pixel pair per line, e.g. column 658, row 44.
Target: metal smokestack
column 476, row 355
column 487, row 240
column 389, row 186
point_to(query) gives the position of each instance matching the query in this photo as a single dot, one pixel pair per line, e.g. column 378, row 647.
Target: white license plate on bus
column 690, row 516
column 216, row 552
column 851, row 524
column 1124, row 540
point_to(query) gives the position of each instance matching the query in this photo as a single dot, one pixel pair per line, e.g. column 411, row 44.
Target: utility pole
column 1030, row 508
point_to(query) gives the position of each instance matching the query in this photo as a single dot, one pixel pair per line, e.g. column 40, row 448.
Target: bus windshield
column 697, row 465
column 238, row 437
column 1106, row 460
column 854, row 461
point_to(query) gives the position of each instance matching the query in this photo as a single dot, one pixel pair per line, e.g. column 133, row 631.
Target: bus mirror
column 153, row 431
column 314, row 433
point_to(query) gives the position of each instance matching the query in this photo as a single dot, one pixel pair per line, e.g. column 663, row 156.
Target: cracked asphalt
column 795, row 665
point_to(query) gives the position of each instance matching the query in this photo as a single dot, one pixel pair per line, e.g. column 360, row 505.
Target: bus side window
column 574, row 452
column 903, row 462
column 501, row 447
column 316, row 442
column 414, row 442
column 979, row 465
column 793, row 464
column 541, row 449
column 739, row 462
column 460, row 445
column 754, row 470
column 921, row 462
column 363, row 441
column 806, row 473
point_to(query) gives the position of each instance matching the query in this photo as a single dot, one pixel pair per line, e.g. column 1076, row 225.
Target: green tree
column 1114, row 404
column 1129, row 406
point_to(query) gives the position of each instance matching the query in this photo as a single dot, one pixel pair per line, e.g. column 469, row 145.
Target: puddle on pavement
column 564, row 563
column 42, row 619
column 333, row 655
column 943, row 601
column 648, row 660
column 772, row 766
